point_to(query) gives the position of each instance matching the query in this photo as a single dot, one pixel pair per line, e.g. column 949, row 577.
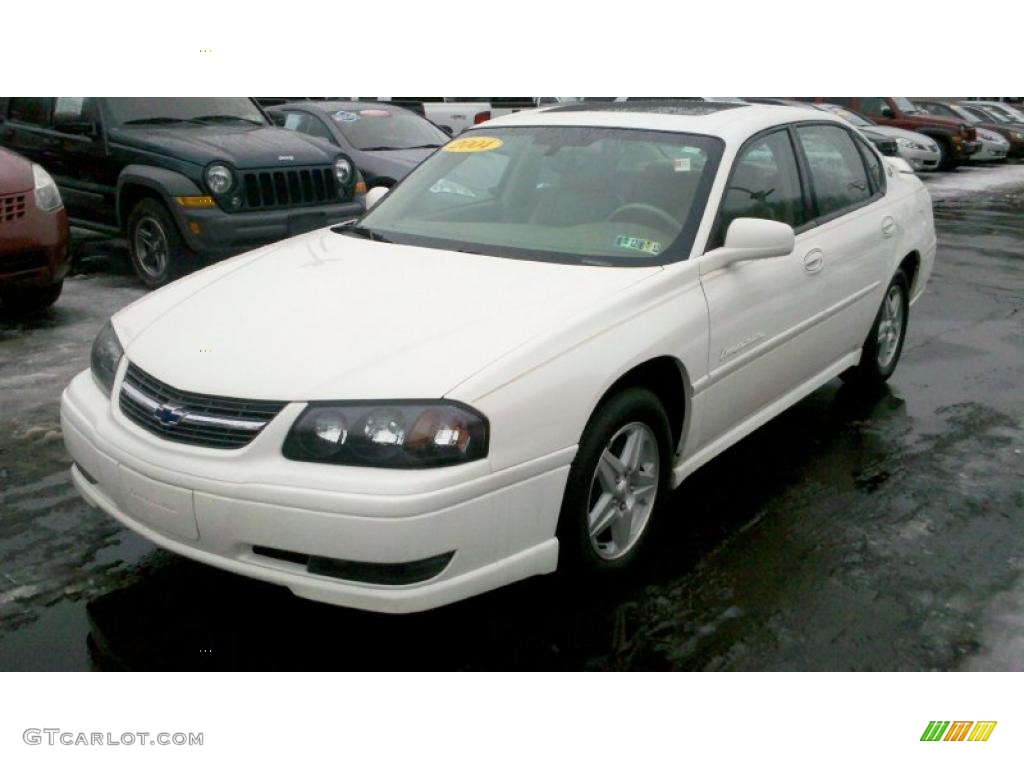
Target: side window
column 837, row 171
column 74, row 109
column 876, row 172
column 308, row 124
column 30, row 110
column 764, row 184
column 874, row 106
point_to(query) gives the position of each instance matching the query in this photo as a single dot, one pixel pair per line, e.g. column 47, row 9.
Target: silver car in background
column 993, row 146
column 920, row 151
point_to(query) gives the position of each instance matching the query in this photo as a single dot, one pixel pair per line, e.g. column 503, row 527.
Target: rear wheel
column 158, row 252
column 616, row 484
column 884, row 344
column 946, row 159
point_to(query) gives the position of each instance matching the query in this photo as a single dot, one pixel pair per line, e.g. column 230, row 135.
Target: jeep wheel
column 158, row 253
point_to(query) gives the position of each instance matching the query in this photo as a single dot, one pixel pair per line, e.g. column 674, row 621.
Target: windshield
column 992, row 114
column 906, row 106
column 963, row 114
column 1004, row 112
column 386, row 128
column 568, row 194
column 170, row 110
column 851, row 117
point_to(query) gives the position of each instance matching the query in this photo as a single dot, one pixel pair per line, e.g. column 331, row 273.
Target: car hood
column 242, row 146
column 15, row 173
column 902, row 133
column 392, row 163
column 329, row 316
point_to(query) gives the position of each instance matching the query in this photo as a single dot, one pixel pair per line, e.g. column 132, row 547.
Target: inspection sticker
column 682, row 165
column 473, row 144
column 652, row 247
column 345, row 117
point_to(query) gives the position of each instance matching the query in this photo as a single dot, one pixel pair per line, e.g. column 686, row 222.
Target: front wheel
column 617, row 482
column 158, row 252
column 884, row 344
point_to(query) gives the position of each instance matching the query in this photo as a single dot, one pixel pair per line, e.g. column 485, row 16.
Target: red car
column 33, row 235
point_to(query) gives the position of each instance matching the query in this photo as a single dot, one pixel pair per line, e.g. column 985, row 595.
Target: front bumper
column 919, row 159
column 965, row 149
column 216, row 508
column 34, row 248
column 215, row 234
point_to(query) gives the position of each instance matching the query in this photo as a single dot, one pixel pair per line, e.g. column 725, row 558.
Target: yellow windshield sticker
column 473, row 144
column 652, row 247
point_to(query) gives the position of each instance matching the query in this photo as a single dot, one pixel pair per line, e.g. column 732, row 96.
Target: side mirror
column 447, row 129
column 277, row 117
column 749, row 239
column 374, row 195
column 78, row 128
column 887, row 111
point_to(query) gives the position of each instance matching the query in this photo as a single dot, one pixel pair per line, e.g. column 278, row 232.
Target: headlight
column 219, row 179
column 394, row 435
column 106, row 356
column 343, row 171
column 46, row 192
column 1017, row 135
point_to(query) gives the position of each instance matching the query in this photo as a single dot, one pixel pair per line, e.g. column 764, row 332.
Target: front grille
column 23, row 261
column 289, row 188
column 186, row 417
column 12, row 207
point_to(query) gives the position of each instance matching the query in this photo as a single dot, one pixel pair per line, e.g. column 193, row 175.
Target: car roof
column 730, row 121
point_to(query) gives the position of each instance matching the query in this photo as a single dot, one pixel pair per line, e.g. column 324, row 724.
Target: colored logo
column 958, row 730
column 168, row 415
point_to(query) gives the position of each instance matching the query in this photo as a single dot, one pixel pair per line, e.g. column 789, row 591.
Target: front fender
column 165, row 183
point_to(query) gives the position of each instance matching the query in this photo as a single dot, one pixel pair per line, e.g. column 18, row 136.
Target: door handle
column 814, row 261
column 888, row 226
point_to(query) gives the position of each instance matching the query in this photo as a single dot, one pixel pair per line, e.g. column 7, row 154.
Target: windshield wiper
column 220, row 118
column 157, row 121
column 399, row 149
column 358, row 231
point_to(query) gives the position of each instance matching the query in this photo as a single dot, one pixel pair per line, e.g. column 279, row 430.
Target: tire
column 882, row 349
column 607, row 519
column 32, row 299
column 946, row 161
column 158, row 252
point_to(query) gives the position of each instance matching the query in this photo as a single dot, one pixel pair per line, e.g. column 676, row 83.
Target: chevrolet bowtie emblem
column 169, row 415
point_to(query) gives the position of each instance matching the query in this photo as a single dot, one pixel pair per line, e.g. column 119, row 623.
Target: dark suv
column 184, row 180
column 956, row 139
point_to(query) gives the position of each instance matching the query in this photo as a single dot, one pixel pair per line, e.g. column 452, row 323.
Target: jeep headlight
column 219, row 179
column 343, row 171
column 388, row 434
column 106, row 356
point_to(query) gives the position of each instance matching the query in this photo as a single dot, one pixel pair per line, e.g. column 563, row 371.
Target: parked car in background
column 1013, row 113
column 452, row 115
column 920, row 151
column 957, row 140
column 996, row 138
column 467, row 391
column 33, row 235
column 385, row 141
column 886, row 145
column 1002, row 122
column 183, row 180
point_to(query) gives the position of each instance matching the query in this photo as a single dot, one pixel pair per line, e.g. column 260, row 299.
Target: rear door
column 758, row 309
column 853, row 229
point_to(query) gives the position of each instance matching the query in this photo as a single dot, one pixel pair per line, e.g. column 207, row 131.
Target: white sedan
column 508, row 363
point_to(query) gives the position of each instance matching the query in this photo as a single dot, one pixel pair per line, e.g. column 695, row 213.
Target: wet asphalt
column 877, row 531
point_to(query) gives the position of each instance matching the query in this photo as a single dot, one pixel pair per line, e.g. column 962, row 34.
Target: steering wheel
column 663, row 216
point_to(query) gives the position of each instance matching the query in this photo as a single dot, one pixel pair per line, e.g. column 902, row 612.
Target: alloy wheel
column 623, row 491
column 151, row 247
column 891, row 326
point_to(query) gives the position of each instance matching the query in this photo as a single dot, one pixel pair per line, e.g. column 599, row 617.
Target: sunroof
column 655, row 106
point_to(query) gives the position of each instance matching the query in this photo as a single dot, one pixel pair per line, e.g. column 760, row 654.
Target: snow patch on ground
column 967, row 180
